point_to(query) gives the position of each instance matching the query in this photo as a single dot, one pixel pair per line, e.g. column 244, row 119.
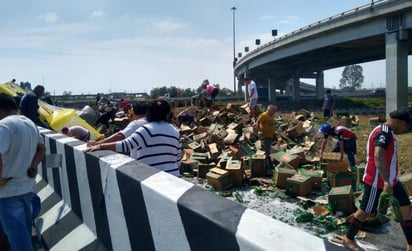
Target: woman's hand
column 93, row 148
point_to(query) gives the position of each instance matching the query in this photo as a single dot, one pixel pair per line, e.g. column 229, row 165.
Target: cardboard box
column 201, row 157
column 223, row 161
column 234, row 167
column 214, row 151
column 246, row 162
column 359, row 171
column 219, row 179
column 298, row 185
column 199, row 136
column 298, row 151
column 245, row 108
column 219, row 135
column 284, row 157
column 234, row 126
column 281, row 174
column 205, row 121
column 245, row 150
column 296, row 131
column 231, row 137
column 188, row 166
column 406, row 181
column 331, row 156
column 341, row 199
column 344, row 179
column 258, row 165
column 315, row 177
column 341, row 166
column 195, row 146
column 203, row 169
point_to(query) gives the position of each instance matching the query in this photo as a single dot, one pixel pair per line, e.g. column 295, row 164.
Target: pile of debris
column 223, row 150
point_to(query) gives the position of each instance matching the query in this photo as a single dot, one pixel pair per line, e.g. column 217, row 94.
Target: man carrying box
column 346, row 141
column 266, row 126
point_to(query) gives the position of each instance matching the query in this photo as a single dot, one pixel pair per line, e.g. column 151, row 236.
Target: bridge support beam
column 320, row 85
column 272, row 90
column 396, row 71
column 296, row 87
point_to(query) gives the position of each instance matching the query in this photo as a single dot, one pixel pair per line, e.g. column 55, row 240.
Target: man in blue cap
column 346, row 141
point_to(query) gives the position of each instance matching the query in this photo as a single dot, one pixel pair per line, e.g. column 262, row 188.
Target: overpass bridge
column 376, row 31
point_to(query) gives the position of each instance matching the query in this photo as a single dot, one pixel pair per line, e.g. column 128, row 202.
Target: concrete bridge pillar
column 320, row 85
column 296, row 87
column 396, row 70
column 272, row 90
column 239, row 87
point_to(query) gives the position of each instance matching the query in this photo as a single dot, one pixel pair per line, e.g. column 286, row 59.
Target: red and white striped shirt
column 381, row 136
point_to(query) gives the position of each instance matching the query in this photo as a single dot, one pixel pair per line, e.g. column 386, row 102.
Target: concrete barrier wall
column 106, row 201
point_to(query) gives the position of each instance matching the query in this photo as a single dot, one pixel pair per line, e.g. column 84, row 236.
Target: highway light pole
column 234, row 50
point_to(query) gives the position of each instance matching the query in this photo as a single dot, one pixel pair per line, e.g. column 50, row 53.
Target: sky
column 86, row 47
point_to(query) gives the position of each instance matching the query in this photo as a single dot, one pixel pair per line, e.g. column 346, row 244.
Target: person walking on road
column 381, row 175
column 252, row 96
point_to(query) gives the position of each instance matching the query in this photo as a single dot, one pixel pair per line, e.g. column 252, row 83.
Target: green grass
column 356, row 102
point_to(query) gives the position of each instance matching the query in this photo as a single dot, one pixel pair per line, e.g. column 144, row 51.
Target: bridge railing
column 310, row 27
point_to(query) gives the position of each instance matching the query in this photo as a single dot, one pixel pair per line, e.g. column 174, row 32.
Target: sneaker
column 351, row 244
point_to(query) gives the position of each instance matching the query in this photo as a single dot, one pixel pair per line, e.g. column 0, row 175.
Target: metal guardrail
column 310, row 27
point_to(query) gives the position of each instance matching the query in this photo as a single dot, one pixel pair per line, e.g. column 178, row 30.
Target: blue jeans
column 349, row 147
column 16, row 219
column 267, row 144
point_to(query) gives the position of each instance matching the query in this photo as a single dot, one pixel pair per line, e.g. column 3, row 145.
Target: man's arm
column 380, row 163
column 322, row 148
column 38, row 157
column 341, row 148
column 251, row 93
column 112, row 138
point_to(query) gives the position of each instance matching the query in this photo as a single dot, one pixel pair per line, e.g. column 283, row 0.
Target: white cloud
column 96, row 14
column 265, row 18
column 50, row 17
column 168, row 25
column 289, row 20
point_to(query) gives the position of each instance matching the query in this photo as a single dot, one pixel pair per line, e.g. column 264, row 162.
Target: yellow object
column 56, row 117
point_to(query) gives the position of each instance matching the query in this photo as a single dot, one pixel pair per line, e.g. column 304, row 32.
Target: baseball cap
column 401, row 115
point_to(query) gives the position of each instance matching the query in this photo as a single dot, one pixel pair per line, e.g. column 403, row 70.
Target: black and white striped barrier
column 106, row 201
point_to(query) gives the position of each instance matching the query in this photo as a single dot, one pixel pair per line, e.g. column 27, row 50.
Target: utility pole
column 234, row 49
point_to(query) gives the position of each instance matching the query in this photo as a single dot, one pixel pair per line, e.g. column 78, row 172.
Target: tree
column 173, row 92
column 352, row 78
column 225, row 92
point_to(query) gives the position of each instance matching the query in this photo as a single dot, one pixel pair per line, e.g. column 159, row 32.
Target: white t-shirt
column 252, row 86
column 130, row 129
column 19, row 138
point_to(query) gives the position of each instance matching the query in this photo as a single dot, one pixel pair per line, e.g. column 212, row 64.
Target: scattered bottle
column 388, row 200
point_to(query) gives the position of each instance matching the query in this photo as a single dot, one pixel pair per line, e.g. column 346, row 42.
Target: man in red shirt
column 346, row 141
column 381, row 174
